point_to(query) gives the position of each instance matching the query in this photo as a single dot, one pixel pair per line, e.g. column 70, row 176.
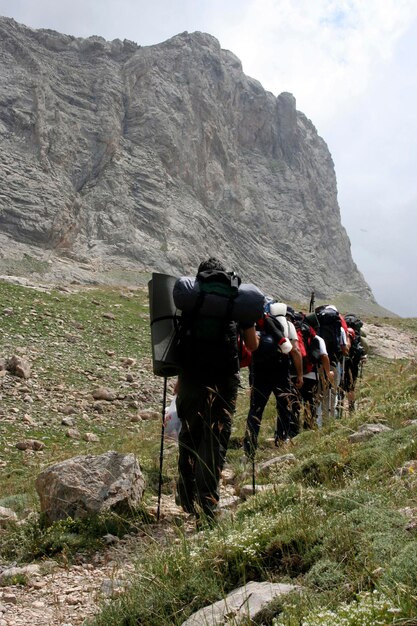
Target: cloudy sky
column 352, row 66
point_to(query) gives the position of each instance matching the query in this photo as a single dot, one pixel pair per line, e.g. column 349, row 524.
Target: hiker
column 270, row 373
column 316, row 364
column 355, row 358
column 333, row 329
column 208, row 383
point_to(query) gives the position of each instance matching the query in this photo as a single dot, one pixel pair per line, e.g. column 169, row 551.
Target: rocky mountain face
column 116, row 155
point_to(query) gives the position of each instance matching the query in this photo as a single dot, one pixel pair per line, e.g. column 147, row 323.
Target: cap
column 290, row 312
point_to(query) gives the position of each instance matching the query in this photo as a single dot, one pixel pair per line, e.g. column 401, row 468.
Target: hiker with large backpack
column 213, row 307
column 333, row 329
column 316, row 365
column 355, row 358
column 270, row 373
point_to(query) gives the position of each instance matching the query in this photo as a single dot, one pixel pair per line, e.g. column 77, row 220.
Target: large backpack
column 207, row 345
column 271, row 334
column 357, row 350
column 330, row 329
column 309, row 349
column 353, row 321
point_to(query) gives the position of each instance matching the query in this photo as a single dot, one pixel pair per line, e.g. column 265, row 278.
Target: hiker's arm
column 250, row 338
column 325, row 361
column 297, row 359
column 345, row 343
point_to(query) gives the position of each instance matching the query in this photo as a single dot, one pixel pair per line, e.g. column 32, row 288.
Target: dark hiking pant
column 206, row 413
column 308, row 394
column 350, row 375
column 263, row 383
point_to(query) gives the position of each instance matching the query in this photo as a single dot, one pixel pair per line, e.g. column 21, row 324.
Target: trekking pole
column 330, row 399
column 253, row 475
column 312, row 302
column 161, row 451
column 342, row 391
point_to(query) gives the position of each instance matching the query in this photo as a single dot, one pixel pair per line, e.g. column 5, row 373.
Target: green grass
column 73, row 349
column 330, row 523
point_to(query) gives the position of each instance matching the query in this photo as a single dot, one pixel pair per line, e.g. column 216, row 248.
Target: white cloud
column 324, row 51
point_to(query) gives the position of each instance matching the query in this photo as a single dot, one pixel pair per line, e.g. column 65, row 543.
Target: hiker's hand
column 330, row 377
column 299, row 382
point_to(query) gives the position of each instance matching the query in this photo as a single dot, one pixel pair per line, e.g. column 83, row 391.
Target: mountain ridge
column 151, row 158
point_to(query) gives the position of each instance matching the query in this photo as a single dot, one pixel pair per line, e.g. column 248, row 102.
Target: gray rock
column 102, row 393
column 367, row 431
column 90, row 484
column 7, row 516
column 246, row 491
column 9, row 598
column 25, row 570
column 203, row 157
column 68, row 421
column 240, row 606
column 18, row 366
column 73, row 433
column 30, row 444
column 67, row 409
column 284, row 459
column 91, row 437
column 229, row 502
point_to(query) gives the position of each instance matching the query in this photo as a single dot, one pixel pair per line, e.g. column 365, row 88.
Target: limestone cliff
column 155, row 157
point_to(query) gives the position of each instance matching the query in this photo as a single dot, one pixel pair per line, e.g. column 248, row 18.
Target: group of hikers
column 309, row 361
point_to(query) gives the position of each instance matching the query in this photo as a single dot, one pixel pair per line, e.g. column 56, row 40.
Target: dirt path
column 66, row 596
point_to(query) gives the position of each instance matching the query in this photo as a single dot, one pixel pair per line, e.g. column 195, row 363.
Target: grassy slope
column 331, row 523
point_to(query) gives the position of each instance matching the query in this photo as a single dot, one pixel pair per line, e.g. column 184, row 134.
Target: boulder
column 241, row 606
column 90, row 484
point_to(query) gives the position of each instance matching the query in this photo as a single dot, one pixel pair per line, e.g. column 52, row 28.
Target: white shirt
column 292, row 333
column 322, row 350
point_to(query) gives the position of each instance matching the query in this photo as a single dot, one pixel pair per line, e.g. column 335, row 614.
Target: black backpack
column 206, row 345
column 330, row 329
column 356, row 351
column 353, row 321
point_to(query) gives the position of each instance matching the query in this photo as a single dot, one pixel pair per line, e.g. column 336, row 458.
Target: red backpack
column 305, row 335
